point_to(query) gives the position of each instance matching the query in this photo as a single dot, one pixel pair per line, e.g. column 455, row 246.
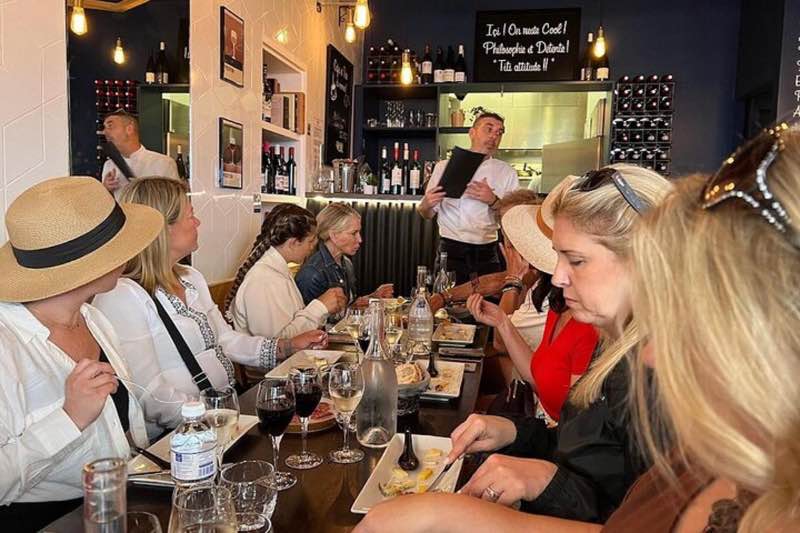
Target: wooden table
column 321, row 499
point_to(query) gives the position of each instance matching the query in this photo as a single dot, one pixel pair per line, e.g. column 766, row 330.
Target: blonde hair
column 518, row 197
column 604, row 214
column 333, row 219
column 152, row 267
column 728, row 350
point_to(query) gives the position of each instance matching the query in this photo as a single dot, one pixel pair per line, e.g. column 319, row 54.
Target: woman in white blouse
column 61, row 404
column 155, row 275
column 264, row 299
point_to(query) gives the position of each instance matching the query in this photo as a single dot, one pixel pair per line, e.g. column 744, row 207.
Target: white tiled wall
column 228, row 224
column 34, row 130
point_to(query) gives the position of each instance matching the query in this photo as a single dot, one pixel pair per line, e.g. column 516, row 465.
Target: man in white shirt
column 122, row 130
column 468, row 225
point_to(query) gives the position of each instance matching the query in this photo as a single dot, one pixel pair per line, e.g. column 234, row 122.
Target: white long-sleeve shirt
column 143, row 163
column 269, row 303
column 42, row 451
column 152, row 356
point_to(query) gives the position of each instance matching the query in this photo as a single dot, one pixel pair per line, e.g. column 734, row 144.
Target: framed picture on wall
column 230, row 154
column 231, row 63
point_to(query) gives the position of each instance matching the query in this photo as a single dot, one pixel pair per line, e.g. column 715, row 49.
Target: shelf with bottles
column 279, row 175
column 401, row 132
column 282, row 199
column 384, row 64
column 356, row 196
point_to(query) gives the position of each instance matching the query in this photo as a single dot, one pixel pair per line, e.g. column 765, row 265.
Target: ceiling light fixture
column 77, row 21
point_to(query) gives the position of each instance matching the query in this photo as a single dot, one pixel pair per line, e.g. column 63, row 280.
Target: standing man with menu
column 465, row 199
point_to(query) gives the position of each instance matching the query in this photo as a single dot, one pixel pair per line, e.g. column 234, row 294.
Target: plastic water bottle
column 193, row 448
column 420, row 318
column 376, row 415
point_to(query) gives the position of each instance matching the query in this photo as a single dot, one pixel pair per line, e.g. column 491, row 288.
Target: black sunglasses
column 744, row 176
column 594, row 179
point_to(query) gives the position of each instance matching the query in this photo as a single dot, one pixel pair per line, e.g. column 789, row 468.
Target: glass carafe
column 376, row 416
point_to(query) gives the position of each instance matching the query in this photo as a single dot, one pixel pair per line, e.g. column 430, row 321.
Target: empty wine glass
column 204, row 509
column 222, row 414
column 275, row 406
column 307, row 394
column 346, row 384
column 252, row 486
column 142, row 522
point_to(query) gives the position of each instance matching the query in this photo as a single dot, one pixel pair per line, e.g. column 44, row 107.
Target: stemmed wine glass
column 275, row 406
column 307, row 394
column 204, row 508
column 346, row 384
column 222, row 414
column 357, row 324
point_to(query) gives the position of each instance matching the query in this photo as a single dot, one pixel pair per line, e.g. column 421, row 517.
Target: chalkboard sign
column 527, row 45
column 338, row 105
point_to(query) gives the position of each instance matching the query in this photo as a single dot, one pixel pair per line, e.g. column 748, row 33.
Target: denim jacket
column 320, row 272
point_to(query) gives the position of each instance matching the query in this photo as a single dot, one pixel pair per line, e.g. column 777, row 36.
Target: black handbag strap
column 198, row 376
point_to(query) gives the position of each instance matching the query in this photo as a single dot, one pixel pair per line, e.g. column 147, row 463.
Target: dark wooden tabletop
column 321, row 499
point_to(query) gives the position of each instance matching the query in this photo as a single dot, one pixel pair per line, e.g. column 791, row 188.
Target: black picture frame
column 231, row 154
column 338, row 106
column 231, row 34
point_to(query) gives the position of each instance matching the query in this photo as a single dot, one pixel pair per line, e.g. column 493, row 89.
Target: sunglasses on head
column 744, row 176
column 594, row 179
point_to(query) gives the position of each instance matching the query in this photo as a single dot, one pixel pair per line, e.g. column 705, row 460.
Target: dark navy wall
column 90, row 56
column 697, row 41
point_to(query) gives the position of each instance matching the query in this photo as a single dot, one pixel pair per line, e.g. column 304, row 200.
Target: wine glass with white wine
column 222, row 414
column 346, row 385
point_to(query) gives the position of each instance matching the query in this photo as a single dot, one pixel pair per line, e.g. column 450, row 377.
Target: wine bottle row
column 384, row 65
column 158, row 70
column 401, row 172
column 279, row 172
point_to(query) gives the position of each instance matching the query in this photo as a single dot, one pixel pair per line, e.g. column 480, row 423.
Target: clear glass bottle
column 376, row 416
column 104, row 495
column 193, row 448
column 441, row 282
column 420, row 317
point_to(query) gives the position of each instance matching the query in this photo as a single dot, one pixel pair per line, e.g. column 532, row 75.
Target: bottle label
column 397, row 176
column 150, row 77
column 438, row 76
column 448, row 75
column 386, row 186
column 193, row 466
column 414, row 180
column 282, row 182
column 427, row 67
column 602, row 73
column 460, row 77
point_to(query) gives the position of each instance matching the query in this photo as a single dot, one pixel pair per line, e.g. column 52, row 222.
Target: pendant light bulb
column 599, row 49
column 77, row 22
column 406, row 75
column 119, row 52
column 350, row 32
column 282, row 36
column 361, row 16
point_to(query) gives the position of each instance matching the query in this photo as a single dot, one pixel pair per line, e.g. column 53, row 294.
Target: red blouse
column 555, row 361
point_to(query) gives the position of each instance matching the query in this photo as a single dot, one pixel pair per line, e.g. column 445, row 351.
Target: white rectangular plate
column 370, row 494
column 455, row 333
column 451, row 376
column 304, row 358
column 142, row 465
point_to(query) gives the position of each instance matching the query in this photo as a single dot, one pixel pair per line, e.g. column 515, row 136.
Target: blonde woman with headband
column 581, row 470
column 155, row 291
column 339, row 232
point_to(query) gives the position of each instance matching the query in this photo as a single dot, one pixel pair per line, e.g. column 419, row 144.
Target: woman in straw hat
column 157, row 292
column 582, row 469
column 61, row 404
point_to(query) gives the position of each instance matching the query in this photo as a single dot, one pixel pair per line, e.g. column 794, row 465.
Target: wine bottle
column 460, row 75
column 282, row 174
column 162, row 68
column 406, row 170
column 449, row 66
column 414, row 175
column 291, row 171
column 180, row 164
column 397, row 172
column 266, row 169
column 438, row 67
column 427, row 66
column 150, row 70
column 587, row 64
column 385, row 172
column 602, row 68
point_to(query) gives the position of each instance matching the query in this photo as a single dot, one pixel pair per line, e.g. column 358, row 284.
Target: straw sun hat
column 66, row 232
column 530, row 230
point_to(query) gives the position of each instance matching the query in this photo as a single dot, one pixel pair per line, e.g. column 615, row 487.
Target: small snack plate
column 448, row 383
column 371, row 495
column 143, row 465
column 455, row 333
column 323, row 417
column 318, row 358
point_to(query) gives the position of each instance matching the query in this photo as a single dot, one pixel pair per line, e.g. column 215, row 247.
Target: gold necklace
column 51, row 324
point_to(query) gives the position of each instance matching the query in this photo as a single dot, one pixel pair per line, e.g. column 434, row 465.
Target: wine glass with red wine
column 275, row 405
column 307, row 394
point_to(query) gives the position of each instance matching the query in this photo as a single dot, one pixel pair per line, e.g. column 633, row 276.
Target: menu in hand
column 459, row 171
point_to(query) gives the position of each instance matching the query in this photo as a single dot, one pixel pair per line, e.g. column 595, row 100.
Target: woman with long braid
column 264, row 299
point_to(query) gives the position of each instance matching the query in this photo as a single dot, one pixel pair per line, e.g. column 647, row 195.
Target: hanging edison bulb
column 361, row 16
column 77, row 22
column 350, row 32
column 406, row 75
column 119, row 52
column 599, row 49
